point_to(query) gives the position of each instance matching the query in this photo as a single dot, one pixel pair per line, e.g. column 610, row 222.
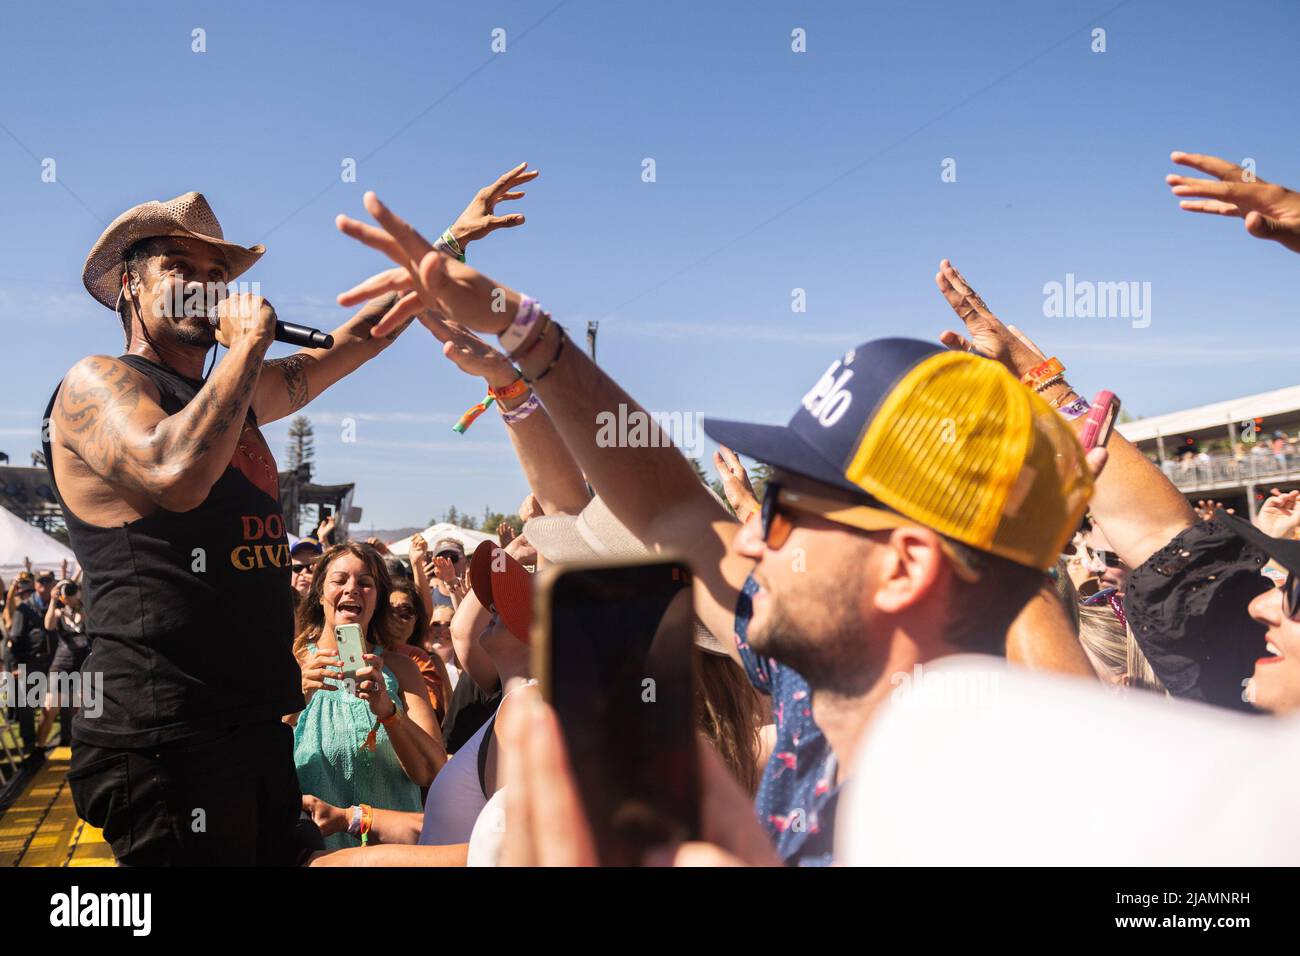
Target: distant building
column 1225, row 450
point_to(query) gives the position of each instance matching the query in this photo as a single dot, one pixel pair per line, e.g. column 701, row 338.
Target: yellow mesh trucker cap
column 948, row 439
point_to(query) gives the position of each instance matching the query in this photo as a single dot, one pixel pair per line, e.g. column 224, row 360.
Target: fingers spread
column 1206, row 164
column 413, row 244
column 390, row 280
column 1216, row 206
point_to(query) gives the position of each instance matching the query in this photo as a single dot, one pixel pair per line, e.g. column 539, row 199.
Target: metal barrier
column 1225, row 470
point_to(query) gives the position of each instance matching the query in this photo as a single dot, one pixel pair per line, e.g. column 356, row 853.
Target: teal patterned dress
column 332, row 762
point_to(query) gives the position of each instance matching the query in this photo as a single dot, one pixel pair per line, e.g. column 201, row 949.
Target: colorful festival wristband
column 1076, row 409
column 517, row 332
column 1043, row 371
column 514, row 416
column 471, row 415
column 513, row 390
column 447, row 243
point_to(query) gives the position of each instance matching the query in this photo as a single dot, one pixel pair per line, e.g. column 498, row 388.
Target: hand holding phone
column 352, row 648
column 613, row 650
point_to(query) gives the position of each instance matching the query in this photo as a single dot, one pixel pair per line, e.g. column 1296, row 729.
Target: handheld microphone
column 302, row 335
column 292, row 334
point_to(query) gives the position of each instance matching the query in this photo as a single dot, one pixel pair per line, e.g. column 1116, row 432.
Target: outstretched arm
column 653, row 489
column 301, row 377
column 1137, row 507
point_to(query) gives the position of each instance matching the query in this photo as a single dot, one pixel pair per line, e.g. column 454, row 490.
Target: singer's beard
column 195, row 331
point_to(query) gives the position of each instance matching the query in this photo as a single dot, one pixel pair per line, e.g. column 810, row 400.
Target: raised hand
column 529, row 507
column 471, row 354
column 1271, row 211
column 735, row 483
column 988, row 336
column 505, row 534
column 1279, row 516
column 1206, row 507
column 428, row 283
column 418, row 550
column 478, row 220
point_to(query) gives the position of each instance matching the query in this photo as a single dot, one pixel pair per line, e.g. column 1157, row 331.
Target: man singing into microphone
column 171, row 499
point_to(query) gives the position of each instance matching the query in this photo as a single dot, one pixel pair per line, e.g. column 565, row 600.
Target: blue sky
column 775, row 170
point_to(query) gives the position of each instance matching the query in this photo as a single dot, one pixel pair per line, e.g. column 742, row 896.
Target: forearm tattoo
column 294, row 370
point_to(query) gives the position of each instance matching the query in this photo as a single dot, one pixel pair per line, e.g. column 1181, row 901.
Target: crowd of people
column 930, row 516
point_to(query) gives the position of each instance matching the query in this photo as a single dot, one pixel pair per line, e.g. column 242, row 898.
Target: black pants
column 225, row 799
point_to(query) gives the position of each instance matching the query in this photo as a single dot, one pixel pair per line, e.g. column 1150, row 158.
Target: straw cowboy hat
column 188, row 215
column 595, row 533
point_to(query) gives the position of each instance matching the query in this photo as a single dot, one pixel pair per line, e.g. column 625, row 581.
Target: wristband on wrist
column 354, row 823
column 1042, row 372
column 514, row 416
column 516, row 332
column 544, row 324
column 1076, row 409
column 513, row 390
column 392, row 719
column 367, row 823
column 1047, row 383
column 447, row 243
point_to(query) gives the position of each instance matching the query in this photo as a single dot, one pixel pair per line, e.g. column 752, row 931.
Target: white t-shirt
column 985, row 763
column 489, row 834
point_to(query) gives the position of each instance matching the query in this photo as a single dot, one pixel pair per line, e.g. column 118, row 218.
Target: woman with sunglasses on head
column 407, row 633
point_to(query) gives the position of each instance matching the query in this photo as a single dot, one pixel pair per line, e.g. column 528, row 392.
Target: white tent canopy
column 20, row 541
column 436, row 532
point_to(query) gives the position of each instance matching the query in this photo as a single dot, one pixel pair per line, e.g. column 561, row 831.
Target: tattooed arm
column 302, row 376
column 108, row 416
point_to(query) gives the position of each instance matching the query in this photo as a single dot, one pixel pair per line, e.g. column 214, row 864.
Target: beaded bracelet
column 559, row 349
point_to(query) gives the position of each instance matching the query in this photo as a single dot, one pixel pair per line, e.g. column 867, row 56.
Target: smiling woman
column 368, row 737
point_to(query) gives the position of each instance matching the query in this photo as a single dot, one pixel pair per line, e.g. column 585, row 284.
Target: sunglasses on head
column 777, row 525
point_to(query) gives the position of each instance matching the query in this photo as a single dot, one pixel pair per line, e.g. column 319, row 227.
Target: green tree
column 302, row 446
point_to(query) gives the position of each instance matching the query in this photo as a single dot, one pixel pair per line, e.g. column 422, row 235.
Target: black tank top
column 190, row 613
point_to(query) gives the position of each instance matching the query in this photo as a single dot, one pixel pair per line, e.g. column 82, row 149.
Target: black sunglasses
column 1291, row 596
column 451, row 555
column 299, row 568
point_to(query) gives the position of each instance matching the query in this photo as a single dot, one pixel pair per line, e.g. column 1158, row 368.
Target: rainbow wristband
column 471, row 415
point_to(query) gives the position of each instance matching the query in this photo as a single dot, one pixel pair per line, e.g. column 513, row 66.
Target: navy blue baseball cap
column 822, row 436
column 948, row 439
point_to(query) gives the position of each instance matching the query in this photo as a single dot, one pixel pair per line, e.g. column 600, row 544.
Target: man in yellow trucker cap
column 918, row 495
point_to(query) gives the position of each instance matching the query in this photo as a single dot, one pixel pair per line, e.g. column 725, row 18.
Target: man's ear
column 911, row 566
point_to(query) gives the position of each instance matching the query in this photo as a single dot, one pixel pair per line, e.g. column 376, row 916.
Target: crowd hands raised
column 1093, row 589
column 941, row 630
